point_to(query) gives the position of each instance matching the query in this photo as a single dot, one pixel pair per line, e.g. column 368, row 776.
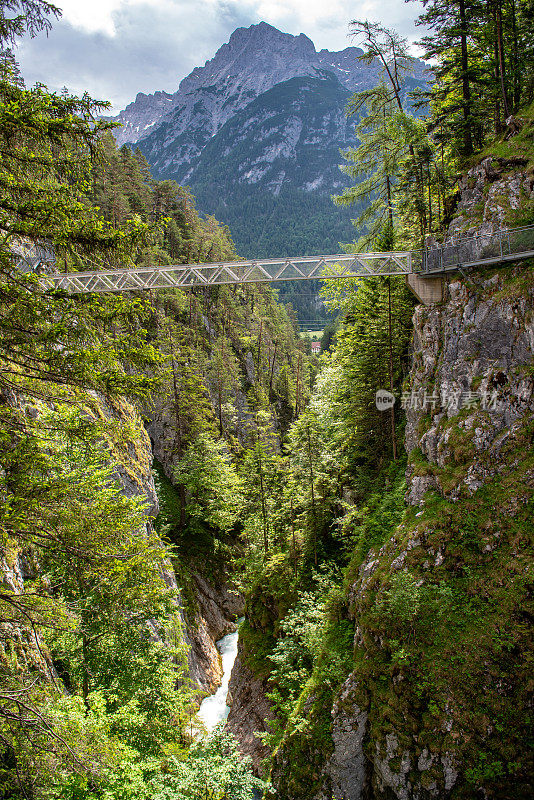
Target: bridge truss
column 231, row 272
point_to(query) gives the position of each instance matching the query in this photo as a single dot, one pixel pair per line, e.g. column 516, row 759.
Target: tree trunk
column 516, row 81
column 297, row 388
column 390, row 337
column 312, row 478
column 429, row 198
column 390, row 207
column 272, row 367
column 502, row 62
column 263, row 506
column 466, row 88
column 295, row 557
column 178, row 436
column 259, row 348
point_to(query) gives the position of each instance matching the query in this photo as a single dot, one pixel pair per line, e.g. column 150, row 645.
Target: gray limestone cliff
column 253, row 60
column 250, row 711
column 438, row 703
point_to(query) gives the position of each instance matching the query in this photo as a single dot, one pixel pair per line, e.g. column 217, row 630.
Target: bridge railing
column 30, row 256
column 479, row 247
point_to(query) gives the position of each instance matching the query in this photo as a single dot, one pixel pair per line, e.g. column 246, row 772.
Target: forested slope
column 396, row 662
column 432, row 697
column 96, row 631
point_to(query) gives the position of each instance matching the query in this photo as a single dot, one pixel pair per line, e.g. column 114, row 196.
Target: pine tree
column 373, row 163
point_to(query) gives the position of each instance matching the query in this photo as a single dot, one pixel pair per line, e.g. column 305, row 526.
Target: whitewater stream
column 213, row 709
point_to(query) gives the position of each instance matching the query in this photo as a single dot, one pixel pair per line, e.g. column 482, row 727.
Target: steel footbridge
column 477, row 249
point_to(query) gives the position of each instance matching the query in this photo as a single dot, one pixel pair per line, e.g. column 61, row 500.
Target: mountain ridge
column 256, row 134
column 260, row 55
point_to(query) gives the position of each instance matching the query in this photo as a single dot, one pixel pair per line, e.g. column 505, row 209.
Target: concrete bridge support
column 428, row 289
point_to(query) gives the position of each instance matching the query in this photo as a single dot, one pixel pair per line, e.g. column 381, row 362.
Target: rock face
column 31, row 653
column 344, row 775
column 472, row 358
column 250, row 711
column 480, row 343
column 406, row 730
column 487, row 194
column 216, row 615
column 253, row 61
column 139, row 117
column 256, row 133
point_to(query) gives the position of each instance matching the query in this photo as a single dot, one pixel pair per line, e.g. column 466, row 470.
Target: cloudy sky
column 116, row 48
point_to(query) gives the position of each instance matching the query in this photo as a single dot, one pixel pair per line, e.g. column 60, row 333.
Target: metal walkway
column 476, row 250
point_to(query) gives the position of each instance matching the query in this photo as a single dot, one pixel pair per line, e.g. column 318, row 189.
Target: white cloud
column 326, row 23
column 92, row 17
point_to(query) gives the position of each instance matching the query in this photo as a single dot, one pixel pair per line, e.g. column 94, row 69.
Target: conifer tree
column 482, row 62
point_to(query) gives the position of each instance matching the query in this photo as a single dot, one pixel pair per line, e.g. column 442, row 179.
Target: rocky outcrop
column 250, row 710
column 419, row 717
column 472, row 355
column 488, row 194
column 218, row 609
column 345, row 775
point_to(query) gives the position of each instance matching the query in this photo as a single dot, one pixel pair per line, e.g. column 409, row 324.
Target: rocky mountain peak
column 266, row 35
column 252, row 61
column 255, row 58
column 261, row 120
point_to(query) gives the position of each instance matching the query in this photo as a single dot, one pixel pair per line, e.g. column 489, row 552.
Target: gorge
column 214, row 709
column 469, row 469
column 232, row 565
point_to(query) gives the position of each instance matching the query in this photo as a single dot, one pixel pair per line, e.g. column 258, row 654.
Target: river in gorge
column 213, row 709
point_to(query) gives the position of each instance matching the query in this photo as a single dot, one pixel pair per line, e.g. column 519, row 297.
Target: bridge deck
column 231, row 272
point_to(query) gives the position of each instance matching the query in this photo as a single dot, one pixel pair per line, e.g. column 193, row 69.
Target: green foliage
column 94, row 603
column 124, row 192
column 262, row 472
column 211, row 769
column 329, row 337
column 64, row 428
column 400, row 603
column 212, row 485
column 371, row 523
column 293, row 655
column 482, row 66
column 362, row 360
column 288, row 507
column 397, row 163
